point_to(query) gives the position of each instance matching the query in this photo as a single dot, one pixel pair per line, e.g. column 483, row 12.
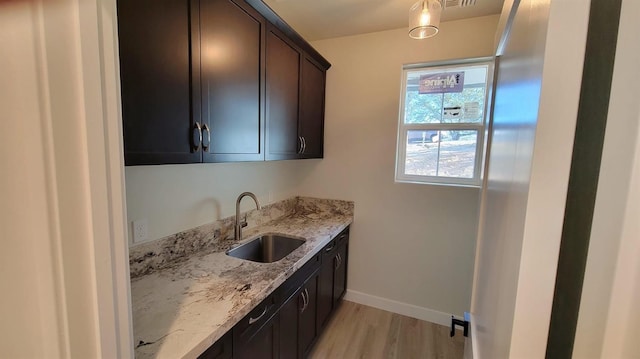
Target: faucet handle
column 244, row 223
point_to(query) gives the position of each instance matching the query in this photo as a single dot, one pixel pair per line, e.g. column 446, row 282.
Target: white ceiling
column 322, row 19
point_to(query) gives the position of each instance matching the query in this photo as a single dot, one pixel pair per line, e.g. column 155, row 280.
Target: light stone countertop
column 179, row 311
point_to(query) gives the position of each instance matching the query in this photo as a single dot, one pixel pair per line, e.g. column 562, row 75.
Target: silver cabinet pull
column 252, row 320
column 206, row 146
column 329, row 249
column 305, row 300
column 306, row 291
column 196, row 144
column 301, row 149
column 304, row 144
column 340, row 259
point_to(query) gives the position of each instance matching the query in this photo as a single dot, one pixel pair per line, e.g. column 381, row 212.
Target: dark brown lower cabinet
column 222, row 349
column 332, row 280
column 307, row 331
column 340, row 272
column 262, row 344
column 289, row 326
column 256, row 335
column 325, row 292
column 298, row 321
column 288, row 322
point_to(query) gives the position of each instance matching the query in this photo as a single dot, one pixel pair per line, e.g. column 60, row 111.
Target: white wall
column 603, row 322
column 64, row 260
column 523, row 202
column 29, row 304
column 410, row 243
column 173, row 198
column 620, row 339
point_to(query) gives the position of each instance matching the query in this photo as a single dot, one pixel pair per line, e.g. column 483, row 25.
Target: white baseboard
column 394, row 306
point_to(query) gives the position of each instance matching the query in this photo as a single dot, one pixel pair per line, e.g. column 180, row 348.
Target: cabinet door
column 289, row 325
column 307, row 318
column 312, row 109
column 154, row 38
column 340, row 272
column 222, row 349
column 231, row 80
column 325, row 287
column 262, row 344
column 283, row 75
column 298, row 321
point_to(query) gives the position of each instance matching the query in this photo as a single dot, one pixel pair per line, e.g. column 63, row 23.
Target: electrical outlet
column 140, row 230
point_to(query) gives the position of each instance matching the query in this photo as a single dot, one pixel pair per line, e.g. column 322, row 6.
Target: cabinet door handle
column 301, row 145
column 252, row 320
column 306, row 304
column 197, row 136
column 329, row 249
column 304, row 144
column 338, row 260
column 304, row 301
column 205, row 145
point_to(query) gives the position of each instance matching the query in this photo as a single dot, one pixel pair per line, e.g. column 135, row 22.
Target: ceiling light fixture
column 424, row 19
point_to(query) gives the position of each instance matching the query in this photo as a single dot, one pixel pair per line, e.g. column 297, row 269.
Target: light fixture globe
column 424, row 19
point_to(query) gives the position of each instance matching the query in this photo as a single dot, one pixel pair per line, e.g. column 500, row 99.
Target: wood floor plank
column 391, row 345
column 379, row 331
column 358, row 331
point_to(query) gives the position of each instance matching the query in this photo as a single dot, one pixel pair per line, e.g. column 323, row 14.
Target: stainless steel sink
column 266, row 249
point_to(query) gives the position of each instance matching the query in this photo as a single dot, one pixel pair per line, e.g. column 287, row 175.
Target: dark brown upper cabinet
column 216, row 81
column 295, row 100
column 230, row 84
column 311, row 123
column 155, row 71
column 282, row 100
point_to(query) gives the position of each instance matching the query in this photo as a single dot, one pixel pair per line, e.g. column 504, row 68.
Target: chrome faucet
column 243, row 223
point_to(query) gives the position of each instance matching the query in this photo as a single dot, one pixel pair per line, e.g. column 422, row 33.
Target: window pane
column 422, row 108
column 422, row 153
column 464, row 107
column 457, row 154
column 445, row 95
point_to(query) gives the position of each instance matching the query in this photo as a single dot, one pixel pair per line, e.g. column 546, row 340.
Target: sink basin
column 266, row 249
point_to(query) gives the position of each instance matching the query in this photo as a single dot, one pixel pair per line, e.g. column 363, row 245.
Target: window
column 442, row 121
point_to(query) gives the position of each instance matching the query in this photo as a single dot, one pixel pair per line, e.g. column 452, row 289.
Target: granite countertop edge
column 236, row 302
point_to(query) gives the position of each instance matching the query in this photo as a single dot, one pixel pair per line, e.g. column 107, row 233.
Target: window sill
column 440, row 184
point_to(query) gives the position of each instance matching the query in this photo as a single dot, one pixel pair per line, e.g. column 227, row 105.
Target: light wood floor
column 358, row 331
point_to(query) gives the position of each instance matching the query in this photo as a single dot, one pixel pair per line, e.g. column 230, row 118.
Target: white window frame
column 480, row 127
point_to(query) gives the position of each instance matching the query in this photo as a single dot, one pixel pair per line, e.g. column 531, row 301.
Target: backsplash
column 148, row 257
